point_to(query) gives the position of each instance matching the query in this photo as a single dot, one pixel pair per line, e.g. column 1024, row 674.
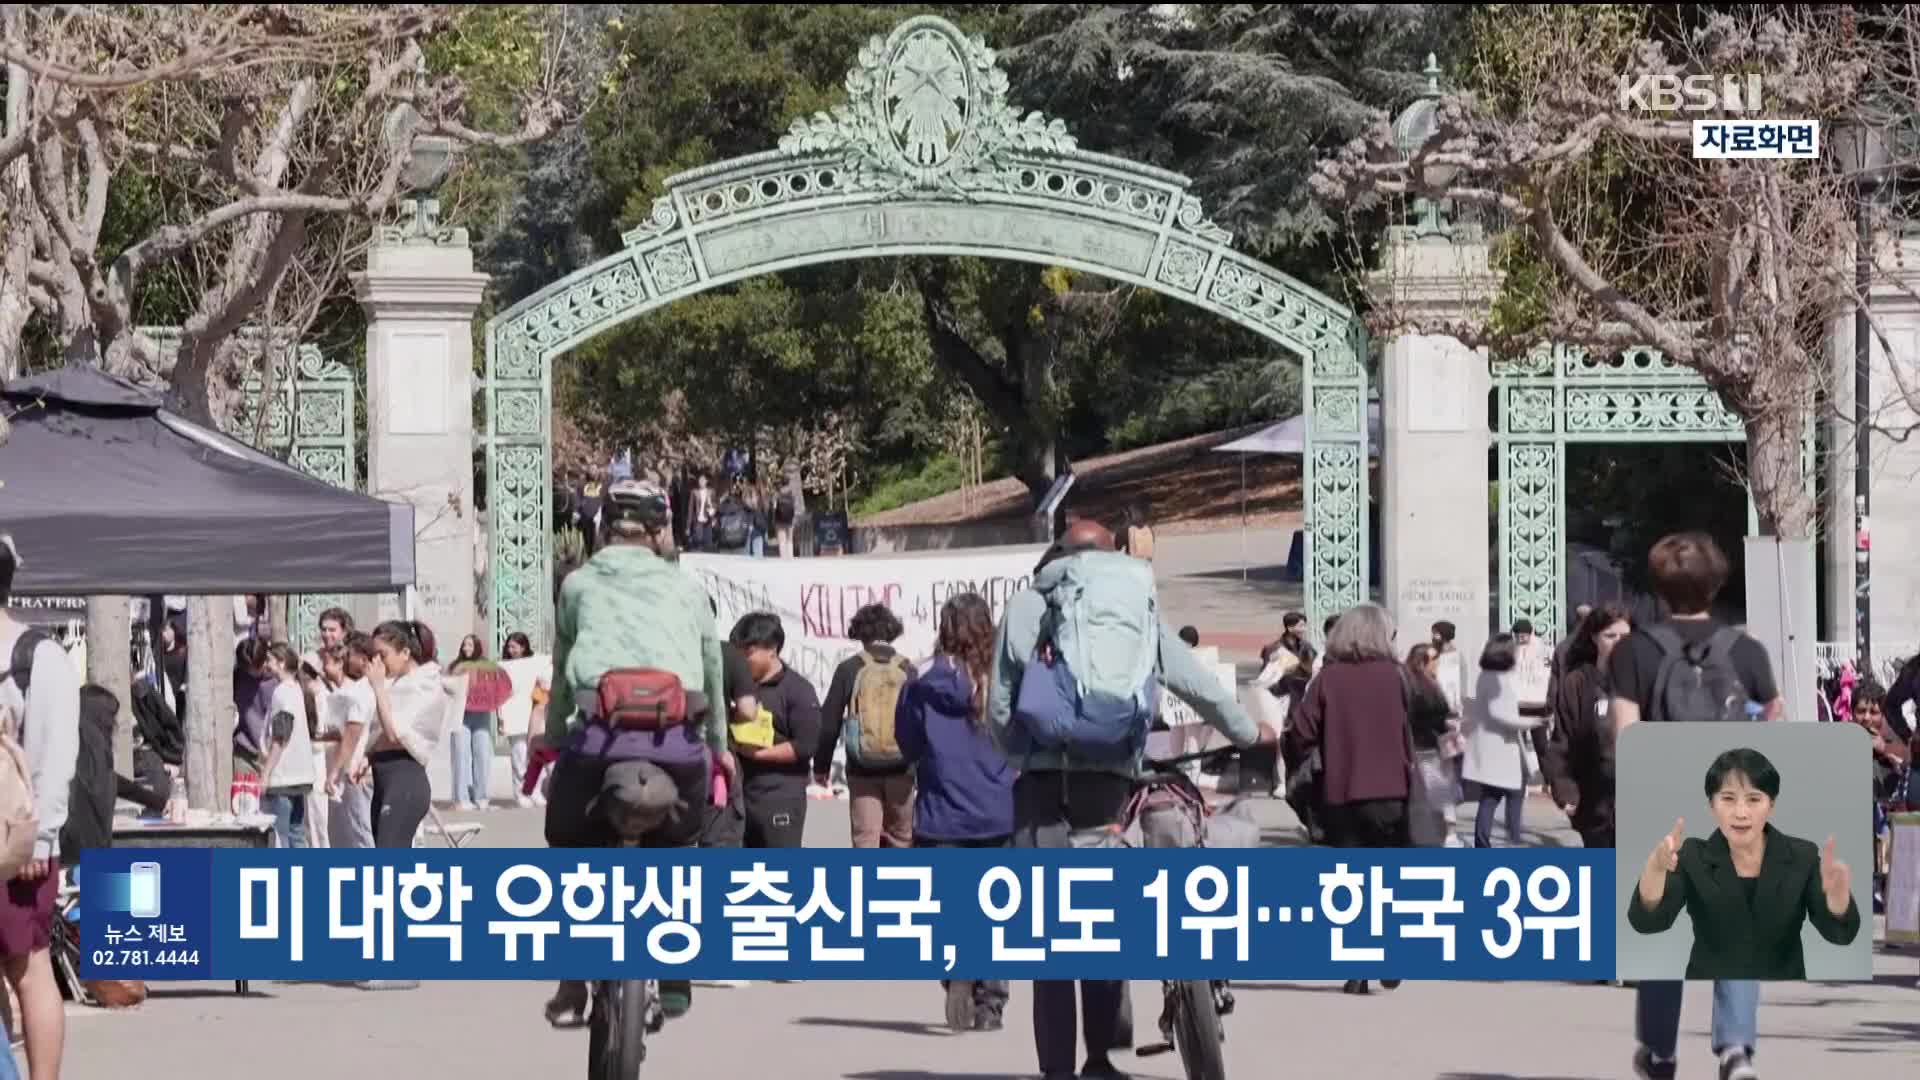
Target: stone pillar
column 1894, row 523
column 420, row 293
column 1433, row 466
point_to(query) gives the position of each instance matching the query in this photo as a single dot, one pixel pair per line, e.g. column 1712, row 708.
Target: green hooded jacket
column 626, row 608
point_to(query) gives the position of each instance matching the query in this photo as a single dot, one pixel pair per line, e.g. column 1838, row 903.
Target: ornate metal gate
column 927, row 157
column 310, row 422
column 1337, row 496
column 1560, row 395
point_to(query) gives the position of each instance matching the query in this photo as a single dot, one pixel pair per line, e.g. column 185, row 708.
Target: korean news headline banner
column 1302, row 913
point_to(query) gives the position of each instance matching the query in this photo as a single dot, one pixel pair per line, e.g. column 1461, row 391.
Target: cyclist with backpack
column 39, row 753
column 1692, row 668
column 635, row 646
column 1078, row 665
column 861, row 702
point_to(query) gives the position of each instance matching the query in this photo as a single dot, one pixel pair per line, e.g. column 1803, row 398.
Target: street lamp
column 1412, row 130
column 1860, row 150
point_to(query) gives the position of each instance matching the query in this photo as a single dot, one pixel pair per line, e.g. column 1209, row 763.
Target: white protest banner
column 815, row 598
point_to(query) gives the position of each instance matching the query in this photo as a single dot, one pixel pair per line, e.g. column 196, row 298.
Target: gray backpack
column 1697, row 683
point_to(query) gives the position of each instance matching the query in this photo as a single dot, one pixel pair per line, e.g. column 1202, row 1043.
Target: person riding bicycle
column 1063, row 789
column 632, row 612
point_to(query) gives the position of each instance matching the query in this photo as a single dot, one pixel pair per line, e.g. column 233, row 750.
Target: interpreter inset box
column 1744, row 851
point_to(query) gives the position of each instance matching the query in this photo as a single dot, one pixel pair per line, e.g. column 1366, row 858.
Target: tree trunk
column 1042, row 459
column 110, row 664
column 800, row 533
column 1025, row 401
column 1777, row 473
column 209, row 719
column 15, row 308
column 280, row 617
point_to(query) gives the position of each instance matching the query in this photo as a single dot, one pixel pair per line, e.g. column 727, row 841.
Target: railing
column 1888, row 657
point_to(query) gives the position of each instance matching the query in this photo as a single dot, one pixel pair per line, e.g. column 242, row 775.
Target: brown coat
column 1355, row 714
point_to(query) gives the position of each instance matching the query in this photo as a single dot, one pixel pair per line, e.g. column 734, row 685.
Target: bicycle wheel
column 629, row 1049
column 600, row 1021
column 1196, row 1031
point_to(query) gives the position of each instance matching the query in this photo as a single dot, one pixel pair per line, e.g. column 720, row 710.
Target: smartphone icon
column 143, row 892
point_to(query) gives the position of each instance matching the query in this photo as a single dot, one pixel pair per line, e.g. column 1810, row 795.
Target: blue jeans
column 471, row 747
column 289, row 817
column 1736, row 1015
column 757, row 544
column 1516, row 817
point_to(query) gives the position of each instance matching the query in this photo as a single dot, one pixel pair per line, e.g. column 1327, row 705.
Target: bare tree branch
column 1726, row 267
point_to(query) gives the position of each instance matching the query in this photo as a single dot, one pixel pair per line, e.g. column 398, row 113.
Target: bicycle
column 1172, row 812
column 636, row 798
column 64, row 944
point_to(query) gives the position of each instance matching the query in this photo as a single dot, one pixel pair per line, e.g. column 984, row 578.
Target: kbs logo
column 1690, row 93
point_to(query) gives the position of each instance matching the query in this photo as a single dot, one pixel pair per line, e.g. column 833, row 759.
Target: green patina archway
column 927, row 157
column 309, row 421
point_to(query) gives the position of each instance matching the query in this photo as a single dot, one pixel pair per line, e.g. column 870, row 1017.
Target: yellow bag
column 757, row 733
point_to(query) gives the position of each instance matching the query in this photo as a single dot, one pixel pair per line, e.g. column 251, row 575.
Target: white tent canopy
column 1290, row 437
column 1286, row 437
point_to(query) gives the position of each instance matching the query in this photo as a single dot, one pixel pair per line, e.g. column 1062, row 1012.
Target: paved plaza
column 884, row 1031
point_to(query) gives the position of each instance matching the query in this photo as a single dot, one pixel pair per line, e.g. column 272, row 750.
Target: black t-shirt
column 738, row 676
column 796, row 719
column 833, row 715
column 1636, row 662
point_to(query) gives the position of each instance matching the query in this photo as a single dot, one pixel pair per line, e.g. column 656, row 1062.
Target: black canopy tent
column 106, row 493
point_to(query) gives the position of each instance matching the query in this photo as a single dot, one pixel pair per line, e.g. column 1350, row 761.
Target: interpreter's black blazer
column 1732, row 940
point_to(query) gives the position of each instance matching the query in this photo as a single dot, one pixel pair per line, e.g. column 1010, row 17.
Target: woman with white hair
column 1354, row 715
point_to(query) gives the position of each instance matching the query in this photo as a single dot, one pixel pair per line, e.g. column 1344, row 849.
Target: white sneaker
column 465, row 807
column 522, row 801
column 539, row 798
column 729, row 984
column 1736, row 1065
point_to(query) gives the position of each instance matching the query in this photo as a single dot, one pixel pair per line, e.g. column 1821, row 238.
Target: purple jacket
column 965, row 784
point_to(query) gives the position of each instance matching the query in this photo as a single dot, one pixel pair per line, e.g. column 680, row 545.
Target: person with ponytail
column 410, row 708
column 288, row 773
column 965, row 797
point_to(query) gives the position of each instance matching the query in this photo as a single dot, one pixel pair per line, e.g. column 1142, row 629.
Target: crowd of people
column 1380, row 751
column 962, row 750
column 735, row 514
column 954, row 752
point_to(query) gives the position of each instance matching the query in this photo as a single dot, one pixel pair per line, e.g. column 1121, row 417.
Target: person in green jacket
column 632, row 606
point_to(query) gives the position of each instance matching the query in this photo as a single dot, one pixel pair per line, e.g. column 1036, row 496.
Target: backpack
column 1696, row 682
column 876, row 694
column 1092, row 689
column 19, row 820
column 736, row 525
